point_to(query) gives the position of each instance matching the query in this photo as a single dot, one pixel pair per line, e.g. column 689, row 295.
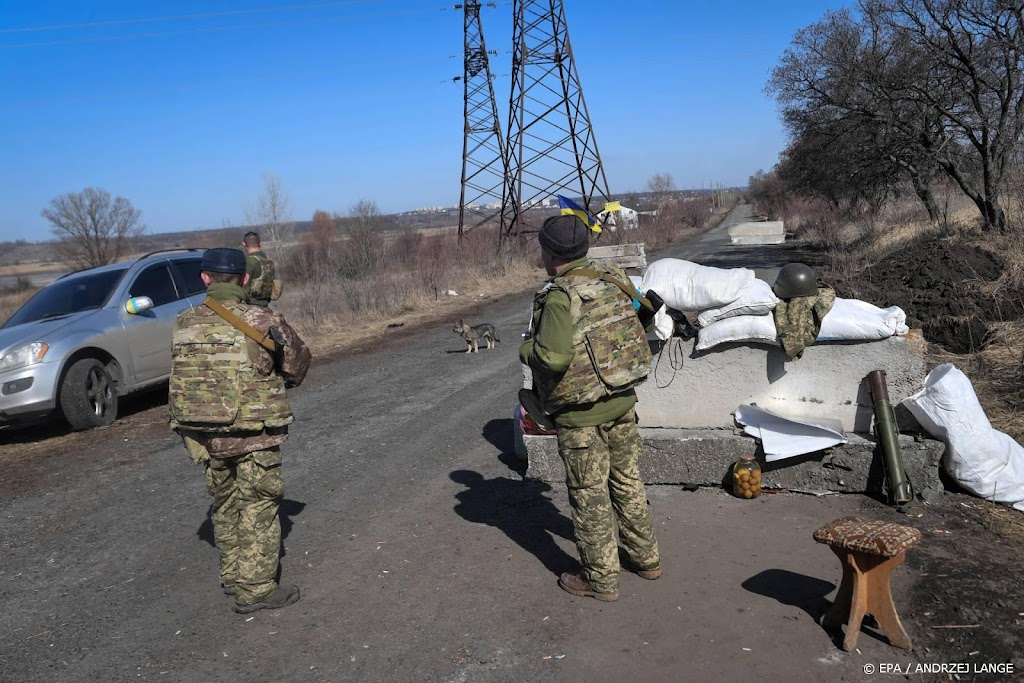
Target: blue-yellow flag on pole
column 571, row 208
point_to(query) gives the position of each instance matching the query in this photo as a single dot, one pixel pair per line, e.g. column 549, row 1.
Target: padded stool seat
column 869, row 551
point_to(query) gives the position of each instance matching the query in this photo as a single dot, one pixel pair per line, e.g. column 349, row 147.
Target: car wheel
column 88, row 396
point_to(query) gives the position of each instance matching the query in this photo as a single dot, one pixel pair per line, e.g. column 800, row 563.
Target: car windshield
column 64, row 297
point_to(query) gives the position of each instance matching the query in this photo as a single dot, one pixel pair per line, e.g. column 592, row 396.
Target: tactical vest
column 261, row 287
column 611, row 350
column 214, row 385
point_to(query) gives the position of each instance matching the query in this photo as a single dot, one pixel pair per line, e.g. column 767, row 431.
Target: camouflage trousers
column 605, row 490
column 247, row 491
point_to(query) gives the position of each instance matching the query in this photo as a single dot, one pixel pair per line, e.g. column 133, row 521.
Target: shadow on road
column 55, row 426
column 500, row 434
column 521, row 511
column 790, row 588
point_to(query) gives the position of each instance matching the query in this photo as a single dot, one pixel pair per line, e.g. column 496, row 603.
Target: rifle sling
column 631, row 292
column 245, row 328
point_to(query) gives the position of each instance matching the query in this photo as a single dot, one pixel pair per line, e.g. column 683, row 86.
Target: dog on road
column 473, row 334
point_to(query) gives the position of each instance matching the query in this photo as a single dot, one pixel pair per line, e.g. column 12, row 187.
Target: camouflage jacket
column 224, row 389
column 609, row 353
column 261, row 272
column 798, row 320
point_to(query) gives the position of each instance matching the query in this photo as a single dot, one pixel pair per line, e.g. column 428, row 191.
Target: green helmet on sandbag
column 795, row 279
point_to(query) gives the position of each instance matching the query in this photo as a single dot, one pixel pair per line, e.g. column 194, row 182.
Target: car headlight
column 29, row 354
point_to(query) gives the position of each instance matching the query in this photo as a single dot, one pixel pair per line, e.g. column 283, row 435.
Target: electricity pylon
column 483, row 154
column 550, row 146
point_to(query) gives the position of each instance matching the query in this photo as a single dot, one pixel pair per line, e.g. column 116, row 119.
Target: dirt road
column 422, row 555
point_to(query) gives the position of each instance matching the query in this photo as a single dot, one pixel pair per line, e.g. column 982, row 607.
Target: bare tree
column 660, row 183
column 940, row 83
column 366, row 247
column 271, row 213
column 91, row 228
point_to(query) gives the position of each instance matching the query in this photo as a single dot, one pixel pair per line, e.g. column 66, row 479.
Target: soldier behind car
column 260, row 269
column 587, row 352
column 228, row 401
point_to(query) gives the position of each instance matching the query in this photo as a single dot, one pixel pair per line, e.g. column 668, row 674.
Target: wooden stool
column 869, row 551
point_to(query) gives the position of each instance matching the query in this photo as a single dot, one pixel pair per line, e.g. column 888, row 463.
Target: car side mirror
column 138, row 304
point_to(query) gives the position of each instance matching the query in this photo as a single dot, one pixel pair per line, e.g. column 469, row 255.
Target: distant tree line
column 897, row 94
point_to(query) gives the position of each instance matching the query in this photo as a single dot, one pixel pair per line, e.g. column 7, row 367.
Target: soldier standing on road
column 228, row 401
column 261, row 271
column 587, row 353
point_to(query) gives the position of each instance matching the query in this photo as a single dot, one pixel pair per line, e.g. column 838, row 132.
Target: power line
column 183, row 17
column 208, row 29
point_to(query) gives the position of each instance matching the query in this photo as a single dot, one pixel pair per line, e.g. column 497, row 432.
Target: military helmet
column 223, row 260
column 795, row 279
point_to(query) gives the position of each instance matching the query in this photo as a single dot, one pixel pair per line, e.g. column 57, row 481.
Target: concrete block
column 703, row 457
column 758, row 239
column 690, row 390
column 762, row 232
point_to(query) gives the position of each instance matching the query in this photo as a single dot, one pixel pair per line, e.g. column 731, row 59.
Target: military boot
column 282, row 597
column 650, row 573
column 572, row 583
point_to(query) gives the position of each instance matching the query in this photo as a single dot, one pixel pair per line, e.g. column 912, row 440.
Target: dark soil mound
column 938, row 283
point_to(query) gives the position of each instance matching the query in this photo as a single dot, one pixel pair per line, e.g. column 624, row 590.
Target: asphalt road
column 420, row 552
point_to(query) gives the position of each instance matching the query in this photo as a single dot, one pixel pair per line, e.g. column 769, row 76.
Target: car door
column 149, row 333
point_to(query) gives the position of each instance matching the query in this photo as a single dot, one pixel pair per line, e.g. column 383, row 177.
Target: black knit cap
column 565, row 237
column 223, row 260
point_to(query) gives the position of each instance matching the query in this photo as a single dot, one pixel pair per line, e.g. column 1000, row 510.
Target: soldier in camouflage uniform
column 587, row 353
column 228, row 401
column 260, row 269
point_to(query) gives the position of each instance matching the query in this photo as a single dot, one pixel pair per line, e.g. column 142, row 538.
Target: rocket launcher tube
column 887, row 433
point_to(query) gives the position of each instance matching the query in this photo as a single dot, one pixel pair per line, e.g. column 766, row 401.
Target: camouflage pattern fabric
column 612, row 353
column 798, row 320
column 222, row 381
column 261, row 287
column 605, row 489
column 247, row 492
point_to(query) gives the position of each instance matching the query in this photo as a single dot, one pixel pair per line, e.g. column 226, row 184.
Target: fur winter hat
column 565, row 237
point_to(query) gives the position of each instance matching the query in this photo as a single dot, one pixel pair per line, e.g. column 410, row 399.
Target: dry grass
column 33, row 268
column 344, row 291
column 10, row 301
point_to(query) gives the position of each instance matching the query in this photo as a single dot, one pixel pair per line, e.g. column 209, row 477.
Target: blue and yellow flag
column 571, row 208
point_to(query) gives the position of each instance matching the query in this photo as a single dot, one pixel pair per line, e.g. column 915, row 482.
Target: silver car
column 93, row 336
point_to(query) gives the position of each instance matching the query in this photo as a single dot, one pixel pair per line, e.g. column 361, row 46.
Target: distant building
column 623, row 217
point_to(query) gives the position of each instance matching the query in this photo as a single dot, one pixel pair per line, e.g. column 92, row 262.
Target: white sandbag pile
column 849, row 320
column 687, row 286
column 750, row 329
column 732, row 305
column 756, row 299
column 984, row 461
column 852, row 320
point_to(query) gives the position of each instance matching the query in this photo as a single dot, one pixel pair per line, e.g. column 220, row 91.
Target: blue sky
column 181, row 106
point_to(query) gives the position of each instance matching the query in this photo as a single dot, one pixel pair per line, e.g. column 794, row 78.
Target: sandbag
column 984, row 461
column 852, row 319
column 758, row 329
column 686, row 286
column 663, row 323
column 756, row 299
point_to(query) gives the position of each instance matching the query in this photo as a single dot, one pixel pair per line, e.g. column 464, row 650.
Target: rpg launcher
column 887, row 433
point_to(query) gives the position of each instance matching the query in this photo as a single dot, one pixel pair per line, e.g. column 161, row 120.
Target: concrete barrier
column 763, row 232
column 686, row 407
column 703, row 458
column 690, row 390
